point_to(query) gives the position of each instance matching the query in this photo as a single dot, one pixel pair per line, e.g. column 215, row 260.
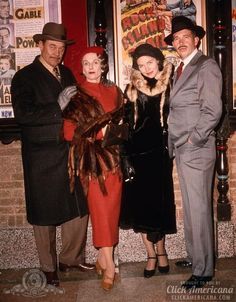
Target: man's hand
column 66, row 95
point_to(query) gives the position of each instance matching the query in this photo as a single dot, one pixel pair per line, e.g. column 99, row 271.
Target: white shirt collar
column 189, row 58
column 46, row 65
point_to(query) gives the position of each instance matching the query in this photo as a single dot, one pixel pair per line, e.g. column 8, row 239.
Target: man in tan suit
column 195, row 110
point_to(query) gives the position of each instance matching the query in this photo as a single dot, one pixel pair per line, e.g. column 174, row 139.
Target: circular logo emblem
column 34, row 281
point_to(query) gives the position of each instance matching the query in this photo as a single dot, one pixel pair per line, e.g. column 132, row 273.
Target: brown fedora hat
column 53, row 31
column 181, row 22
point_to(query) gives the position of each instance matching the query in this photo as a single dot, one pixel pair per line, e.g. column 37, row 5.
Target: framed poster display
column 19, row 21
column 147, row 21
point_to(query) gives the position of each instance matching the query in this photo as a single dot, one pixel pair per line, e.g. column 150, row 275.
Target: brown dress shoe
column 109, row 285
column 82, row 267
column 52, row 278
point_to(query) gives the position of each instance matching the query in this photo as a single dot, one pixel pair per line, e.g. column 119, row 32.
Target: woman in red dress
column 97, row 103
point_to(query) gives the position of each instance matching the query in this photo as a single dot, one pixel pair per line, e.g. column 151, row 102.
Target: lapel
column 189, row 69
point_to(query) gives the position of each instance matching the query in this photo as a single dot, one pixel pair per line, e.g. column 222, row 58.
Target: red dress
column 104, row 209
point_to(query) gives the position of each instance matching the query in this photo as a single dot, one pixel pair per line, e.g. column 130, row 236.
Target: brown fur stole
column 87, row 158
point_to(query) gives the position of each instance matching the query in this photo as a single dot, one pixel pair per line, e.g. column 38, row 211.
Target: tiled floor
column 132, row 287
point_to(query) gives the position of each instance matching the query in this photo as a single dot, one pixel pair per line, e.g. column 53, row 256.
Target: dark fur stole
column 87, row 158
column 159, row 85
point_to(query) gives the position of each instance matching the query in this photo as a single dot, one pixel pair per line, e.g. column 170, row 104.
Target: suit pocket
column 42, row 134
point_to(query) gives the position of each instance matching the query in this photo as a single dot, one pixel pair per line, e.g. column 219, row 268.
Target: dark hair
column 5, row 27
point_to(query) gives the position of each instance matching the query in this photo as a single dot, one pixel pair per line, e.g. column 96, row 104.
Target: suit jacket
column 9, row 49
column 195, row 103
column 45, row 155
column 6, row 20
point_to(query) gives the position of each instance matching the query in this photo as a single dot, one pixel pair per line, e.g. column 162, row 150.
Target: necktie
column 179, row 70
column 57, row 74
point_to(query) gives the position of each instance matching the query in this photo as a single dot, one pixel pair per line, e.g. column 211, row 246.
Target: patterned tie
column 179, row 70
column 57, row 74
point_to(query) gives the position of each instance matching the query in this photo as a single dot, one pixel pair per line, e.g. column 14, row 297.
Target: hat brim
column 41, row 37
column 200, row 33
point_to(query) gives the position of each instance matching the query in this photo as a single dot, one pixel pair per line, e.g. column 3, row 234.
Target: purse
column 115, row 134
column 127, row 169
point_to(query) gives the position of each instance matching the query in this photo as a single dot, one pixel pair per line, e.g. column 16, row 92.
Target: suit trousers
column 195, row 167
column 73, row 237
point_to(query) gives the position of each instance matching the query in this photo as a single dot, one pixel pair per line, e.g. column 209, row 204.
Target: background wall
column 74, row 17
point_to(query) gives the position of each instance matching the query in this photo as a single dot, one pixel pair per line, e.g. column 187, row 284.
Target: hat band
column 59, row 37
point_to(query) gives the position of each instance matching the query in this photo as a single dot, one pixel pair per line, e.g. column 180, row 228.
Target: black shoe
column 149, row 273
column 163, row 269
column 82, row 267
column 183, row 263
column 196, row 282
column 52, row 278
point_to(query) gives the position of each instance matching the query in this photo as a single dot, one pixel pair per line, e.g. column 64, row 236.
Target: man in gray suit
column 195, row 111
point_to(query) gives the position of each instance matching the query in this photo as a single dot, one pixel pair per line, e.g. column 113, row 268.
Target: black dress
column 148, row 201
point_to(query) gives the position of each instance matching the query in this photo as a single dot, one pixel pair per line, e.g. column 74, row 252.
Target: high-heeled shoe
column 149, row 273
column 163, row 269
column 107, row 285
column 99, row 269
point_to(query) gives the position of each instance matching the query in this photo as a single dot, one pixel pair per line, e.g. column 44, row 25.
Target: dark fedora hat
column 146, row 50
column 181, row 22
column 53, row 31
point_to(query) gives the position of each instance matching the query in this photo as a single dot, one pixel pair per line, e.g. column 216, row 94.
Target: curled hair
column 104, row 64
column 7, row 57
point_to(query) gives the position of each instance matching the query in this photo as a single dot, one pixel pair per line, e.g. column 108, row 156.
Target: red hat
column 94, row 49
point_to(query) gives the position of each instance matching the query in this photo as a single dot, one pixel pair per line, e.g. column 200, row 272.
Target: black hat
column 181, row 22
column 146, row 50
column 53, row 31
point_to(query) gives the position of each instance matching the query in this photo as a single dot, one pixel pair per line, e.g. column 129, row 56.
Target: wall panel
column 74, row 17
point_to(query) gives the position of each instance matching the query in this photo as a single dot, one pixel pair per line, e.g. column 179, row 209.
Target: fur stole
column 87, row 158
column 138, row 83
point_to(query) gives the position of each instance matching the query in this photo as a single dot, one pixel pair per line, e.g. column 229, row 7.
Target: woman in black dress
column 148, row 199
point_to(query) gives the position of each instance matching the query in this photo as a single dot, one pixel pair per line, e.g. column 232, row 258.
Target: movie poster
column 148, row 21
column 19, row 21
